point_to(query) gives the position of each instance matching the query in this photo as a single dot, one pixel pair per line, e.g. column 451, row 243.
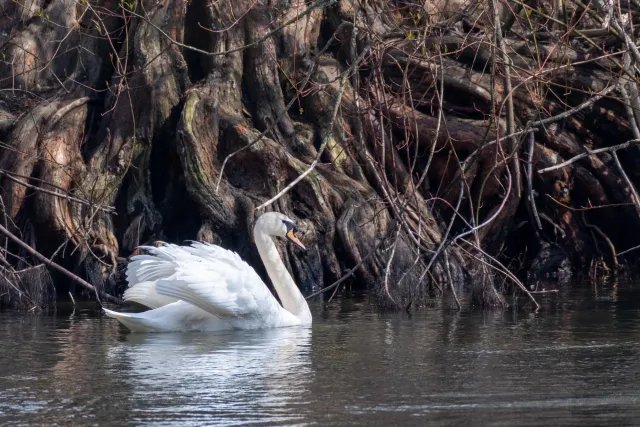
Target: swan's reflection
column 242, row 376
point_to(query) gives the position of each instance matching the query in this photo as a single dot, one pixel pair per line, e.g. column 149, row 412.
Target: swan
column 203, row 287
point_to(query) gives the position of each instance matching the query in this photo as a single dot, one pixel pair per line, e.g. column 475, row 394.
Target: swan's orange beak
column 292, row 237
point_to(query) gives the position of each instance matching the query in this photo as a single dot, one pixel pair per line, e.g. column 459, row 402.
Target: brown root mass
column 126, row 123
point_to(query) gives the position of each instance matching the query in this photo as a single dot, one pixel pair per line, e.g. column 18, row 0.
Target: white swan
column 207, row 288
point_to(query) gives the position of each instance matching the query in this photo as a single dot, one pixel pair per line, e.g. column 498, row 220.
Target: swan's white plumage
column 206, row 287
column 142, row 274
column 145, row 293
column 179, row 316
column 218, row 281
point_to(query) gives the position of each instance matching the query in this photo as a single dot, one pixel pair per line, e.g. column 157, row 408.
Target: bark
column 126, row 123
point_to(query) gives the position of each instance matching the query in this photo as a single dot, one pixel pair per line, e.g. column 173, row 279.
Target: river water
column 576, row 362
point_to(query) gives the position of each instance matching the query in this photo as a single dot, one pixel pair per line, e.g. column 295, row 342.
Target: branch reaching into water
column 46, row 261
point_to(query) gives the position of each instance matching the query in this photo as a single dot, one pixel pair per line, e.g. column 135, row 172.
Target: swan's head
column 279, row 225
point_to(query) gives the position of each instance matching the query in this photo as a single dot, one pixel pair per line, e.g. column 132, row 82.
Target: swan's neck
column 290, row 296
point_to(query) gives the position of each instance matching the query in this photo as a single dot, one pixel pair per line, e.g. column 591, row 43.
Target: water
column 577, row 362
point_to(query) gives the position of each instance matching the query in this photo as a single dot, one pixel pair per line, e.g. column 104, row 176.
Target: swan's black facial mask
column 291, row 230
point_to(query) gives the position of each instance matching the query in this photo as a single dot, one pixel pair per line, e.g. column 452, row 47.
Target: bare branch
column 46, row 261
column 107, row 209
column 590, row 153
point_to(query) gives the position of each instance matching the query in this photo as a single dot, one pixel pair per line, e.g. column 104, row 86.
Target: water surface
column 576, row 362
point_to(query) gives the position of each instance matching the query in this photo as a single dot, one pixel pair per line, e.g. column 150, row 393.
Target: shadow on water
column 574, row 363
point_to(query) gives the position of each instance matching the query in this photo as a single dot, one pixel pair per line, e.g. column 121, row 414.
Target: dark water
column 577, row 362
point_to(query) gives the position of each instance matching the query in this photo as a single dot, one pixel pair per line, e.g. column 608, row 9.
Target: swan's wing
column 145, row 270
column 217, row 281
column 145, row 293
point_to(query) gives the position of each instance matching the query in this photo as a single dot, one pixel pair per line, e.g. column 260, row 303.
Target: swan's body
column 207, row 288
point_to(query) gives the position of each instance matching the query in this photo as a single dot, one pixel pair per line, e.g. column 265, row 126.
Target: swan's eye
column 289, row 225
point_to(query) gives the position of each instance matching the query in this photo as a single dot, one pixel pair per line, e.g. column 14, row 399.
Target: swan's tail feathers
column 135, row 322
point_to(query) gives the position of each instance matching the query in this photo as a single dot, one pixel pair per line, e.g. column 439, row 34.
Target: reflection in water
column 237, row 376
column 573, row 363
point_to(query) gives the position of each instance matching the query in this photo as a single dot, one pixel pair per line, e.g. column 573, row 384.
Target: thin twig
column 503, row 269
column 327, row 135
column 9, row 175
column 612, row 248
column 389, row 261
column 532, row 201
column 348, row 273
column 634, row 193
column 554, row 225
column 628, row 250
column 575, row 109
column 451, row 284
column 511, row 124
column 590, row 208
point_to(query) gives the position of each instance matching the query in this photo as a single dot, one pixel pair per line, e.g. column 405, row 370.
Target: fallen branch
column 46, row 261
